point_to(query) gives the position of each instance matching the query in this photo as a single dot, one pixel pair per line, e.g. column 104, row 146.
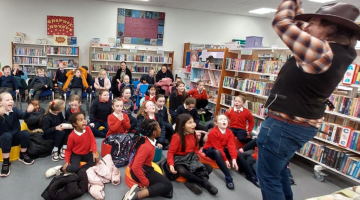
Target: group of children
column 151, row 126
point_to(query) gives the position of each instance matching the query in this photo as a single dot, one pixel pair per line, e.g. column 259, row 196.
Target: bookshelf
column 139, row 61
column 31, row 56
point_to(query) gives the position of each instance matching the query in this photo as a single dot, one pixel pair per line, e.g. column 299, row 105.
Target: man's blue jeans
column 277, row 143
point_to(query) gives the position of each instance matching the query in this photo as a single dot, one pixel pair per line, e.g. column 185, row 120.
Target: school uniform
column 70, row 111
column 38, row 85
column 163, row 113
column 128, row 109
column 49, row 122
column 33, row 121
column 150, row 98
column 239, row 120
column 80, row 147
column 161, row 139
column 117, row 126
column 60, row 79
column 99, row 113
column 176, row 100
column 194, row 113
column 8, row 84
column 77, row 86
column 200, row 96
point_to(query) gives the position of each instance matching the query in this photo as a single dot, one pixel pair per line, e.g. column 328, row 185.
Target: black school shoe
column 26, row 159
column 210, row 188
column 5, row 170
column 194, row 188
column 253, row 180
column 230, row 184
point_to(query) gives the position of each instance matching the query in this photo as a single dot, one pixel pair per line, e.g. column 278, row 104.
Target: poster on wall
column 140, row 27
column 60, row 25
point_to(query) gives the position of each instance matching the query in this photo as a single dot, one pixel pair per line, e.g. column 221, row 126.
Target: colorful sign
column 60, row 25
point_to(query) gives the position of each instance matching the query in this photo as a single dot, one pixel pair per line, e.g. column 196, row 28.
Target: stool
column 158, row 154
column 255, row 154
column 238, row 144
column 84, row 163
column 14, row 153
column 105, row 148
column 24, row 127
column 203, row 118
column 130, row 182
column 204, row 159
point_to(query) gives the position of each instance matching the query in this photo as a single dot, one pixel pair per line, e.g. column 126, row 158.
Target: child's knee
column 168, row 186
column 7, row 138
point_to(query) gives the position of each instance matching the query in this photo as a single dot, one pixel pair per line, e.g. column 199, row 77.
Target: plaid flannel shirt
column 313, row 55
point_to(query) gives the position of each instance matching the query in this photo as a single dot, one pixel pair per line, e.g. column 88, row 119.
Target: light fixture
column 321, row 1
column 144, row 0
column 262, row 11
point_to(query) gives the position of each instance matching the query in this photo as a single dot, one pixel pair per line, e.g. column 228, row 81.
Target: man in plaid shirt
column 323, row 49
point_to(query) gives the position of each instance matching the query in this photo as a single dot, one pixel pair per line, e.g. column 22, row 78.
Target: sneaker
column 26, row 159
column 53, row 171
column 194, row 188
column 62, row 154
column 210, row 188
column 55, row 156
column 5, row 170
column 132, row 193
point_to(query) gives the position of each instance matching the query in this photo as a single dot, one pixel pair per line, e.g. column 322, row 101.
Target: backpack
column 121, row 148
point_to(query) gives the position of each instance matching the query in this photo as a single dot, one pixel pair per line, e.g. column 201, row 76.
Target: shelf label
column 106, row 49
column 272, row 77
column 133, row 50
column 161, row 52
column 246, row 52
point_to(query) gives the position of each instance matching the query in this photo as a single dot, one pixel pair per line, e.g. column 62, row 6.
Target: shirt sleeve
column 69, row 148
column 231, row 145
column 174, row 145
column 313, row 55
column 137, row 164
column 250, row 120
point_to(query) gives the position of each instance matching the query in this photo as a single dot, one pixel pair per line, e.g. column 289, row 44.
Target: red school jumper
column 219, row 141
column 117, row 126
column 175, row 147
column 147, row 98
column 195, row 93
column 144, row 156
column 239, row 120
column 80, row 145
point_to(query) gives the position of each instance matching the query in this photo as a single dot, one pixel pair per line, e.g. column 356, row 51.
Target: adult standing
column 164, row 73
column 322, row 51
column 121, row 72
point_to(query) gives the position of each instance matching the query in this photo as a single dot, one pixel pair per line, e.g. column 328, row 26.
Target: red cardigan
column 195, row 93
column 117, row 126
column 147, row 98
column 240, row 120
column 81, row 145
column 175, row 147
column 219, row 141
column 144, row 156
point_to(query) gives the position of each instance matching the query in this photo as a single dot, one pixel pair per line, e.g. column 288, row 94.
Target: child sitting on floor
column 183, row 149
column 75, row 106
column 241, row 120
column 118, row 121
column 99, row 112
column 148, row 111
column 141, row 169
column 163, row 112
column 102, row 82
column 10, row 132
column 143, row 81
column 81, row 148
column 200, row 95
column 151, row 94
column 177, row 80
column 126, row 83
column 39, row 83
column 177, row 99
column 52, row 126
column 151, row 77
column 128, row 107
column 189, row 108
column 33, row 121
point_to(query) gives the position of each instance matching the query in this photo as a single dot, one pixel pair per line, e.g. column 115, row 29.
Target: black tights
column 184, row 172
column 215, row 154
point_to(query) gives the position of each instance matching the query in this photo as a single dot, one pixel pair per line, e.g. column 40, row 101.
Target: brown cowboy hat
column 340, row 13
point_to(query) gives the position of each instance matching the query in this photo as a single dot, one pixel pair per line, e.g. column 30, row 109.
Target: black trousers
column 201, row 103
column 59, row 138
column 241, row 135
column 75, row 160
column 168, row 130
column 159, row 185
column 133, row 122
column 184, row 172
column 7, row 140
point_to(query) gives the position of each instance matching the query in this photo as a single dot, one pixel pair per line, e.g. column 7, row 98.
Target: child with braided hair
column 143, row 151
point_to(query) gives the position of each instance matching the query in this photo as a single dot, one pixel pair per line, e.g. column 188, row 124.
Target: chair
column 46, row 93
column 84, row 95
column 17, row 98
column 143, row 89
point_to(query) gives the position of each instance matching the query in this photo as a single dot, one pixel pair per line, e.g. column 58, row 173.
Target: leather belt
column 288, row 120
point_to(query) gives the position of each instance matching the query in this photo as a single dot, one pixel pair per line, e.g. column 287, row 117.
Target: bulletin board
column 140, row 27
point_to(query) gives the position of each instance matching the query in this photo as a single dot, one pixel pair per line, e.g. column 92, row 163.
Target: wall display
column 140, row 27
column 60, row 25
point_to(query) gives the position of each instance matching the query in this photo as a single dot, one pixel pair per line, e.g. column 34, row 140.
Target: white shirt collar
column 241, row 109
column 52, row 112
column 223, row 131
column 160, row 108
column 116, row 115
column 200, row 91
column 8, row 113
column 152, row 142
column 185, row 106
column 152, row 96
column 79, row 133
column 151, row 117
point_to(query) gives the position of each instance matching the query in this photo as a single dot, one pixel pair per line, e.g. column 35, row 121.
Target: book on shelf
column 351, row 75
column 130, row 57
column 262, row 87
column 227, row 99
column 27, row 60
column 345, row 105
column 262, row 66
column 28, row 52
column 62, row 50
column 255, row 107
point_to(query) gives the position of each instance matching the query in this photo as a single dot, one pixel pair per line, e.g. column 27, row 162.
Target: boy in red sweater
column 141, row 169
column 185, row 144
column 81, row 147
column 220, row 147
column 118, row 122
column 200, row 95
column 241, row 120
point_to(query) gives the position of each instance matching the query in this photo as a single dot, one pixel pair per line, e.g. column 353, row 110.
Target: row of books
column 26, row 60
column 130, row 57
column 342, row 160
column 345, row 105
column 227, row 99
column 263, row 66
column 53, row 63
column 29, row 52
column 134, row 68
column 63, row 50
column 352, row 75
column 341, row 135
column 28, row 70
column 261, row 87
column 256, row 107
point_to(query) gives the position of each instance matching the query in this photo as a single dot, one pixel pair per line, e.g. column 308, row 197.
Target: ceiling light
column 262, row 11
column 321, row 1
column 144, row 0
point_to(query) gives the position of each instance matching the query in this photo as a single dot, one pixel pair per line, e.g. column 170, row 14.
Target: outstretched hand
column 30, row 108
